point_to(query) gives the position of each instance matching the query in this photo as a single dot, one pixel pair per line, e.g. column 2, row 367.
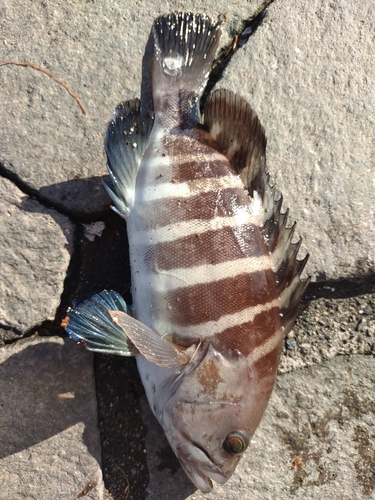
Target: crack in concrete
column 249, row 27
column 34, row 193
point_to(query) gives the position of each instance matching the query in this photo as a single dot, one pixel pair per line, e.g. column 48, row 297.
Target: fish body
column 214, row 273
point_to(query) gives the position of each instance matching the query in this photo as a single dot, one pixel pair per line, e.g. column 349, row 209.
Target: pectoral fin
column 103, row 323
column 155, row 349
column 91, row 323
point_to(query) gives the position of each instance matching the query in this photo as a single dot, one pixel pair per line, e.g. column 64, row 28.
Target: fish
column 216, row 283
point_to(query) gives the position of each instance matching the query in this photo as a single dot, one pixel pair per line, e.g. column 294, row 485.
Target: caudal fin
column 185, row 47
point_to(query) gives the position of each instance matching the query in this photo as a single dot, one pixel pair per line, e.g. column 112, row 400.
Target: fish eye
column 236, row 442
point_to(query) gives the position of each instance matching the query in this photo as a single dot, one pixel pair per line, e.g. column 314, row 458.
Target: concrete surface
column 308, row 72
column 49, row 436
column 36, row 246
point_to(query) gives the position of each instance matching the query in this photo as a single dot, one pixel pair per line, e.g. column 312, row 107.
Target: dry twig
column 48, row 73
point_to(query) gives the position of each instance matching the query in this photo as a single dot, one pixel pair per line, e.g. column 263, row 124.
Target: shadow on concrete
column 167, row 479
column 45, row 389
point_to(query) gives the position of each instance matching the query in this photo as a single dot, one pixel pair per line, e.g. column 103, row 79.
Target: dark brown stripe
column 246, row 337
column 200, row 168
column 210, row 301
column 212, row 247
column 197, row 147
column 203, row 206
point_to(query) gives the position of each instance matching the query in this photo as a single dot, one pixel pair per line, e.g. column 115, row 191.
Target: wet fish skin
column 216, row 280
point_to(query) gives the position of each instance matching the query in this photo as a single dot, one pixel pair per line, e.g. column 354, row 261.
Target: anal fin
column 126, row 141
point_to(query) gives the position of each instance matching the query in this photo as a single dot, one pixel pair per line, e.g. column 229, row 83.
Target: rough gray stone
column 49, row 436
column 316, row 440
column 309, row 73
column 329, row 328
column 35, row 248
column 97, row 49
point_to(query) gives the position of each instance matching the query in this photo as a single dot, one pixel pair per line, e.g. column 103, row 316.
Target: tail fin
column 185, row 46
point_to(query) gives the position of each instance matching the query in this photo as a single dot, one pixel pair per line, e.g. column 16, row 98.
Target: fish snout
column 200, row 469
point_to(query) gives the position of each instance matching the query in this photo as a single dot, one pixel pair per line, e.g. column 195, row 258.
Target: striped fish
column 215, row 276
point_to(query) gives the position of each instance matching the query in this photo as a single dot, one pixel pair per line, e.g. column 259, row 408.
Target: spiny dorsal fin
column 126, row 141
column 238, row 131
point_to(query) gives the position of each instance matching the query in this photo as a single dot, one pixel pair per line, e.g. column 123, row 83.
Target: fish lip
column 200, row 469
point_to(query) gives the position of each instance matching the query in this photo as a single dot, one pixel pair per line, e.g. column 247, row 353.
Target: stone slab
column 328, row 328
column 309, row 73
column 49, row 436
column 35, row 248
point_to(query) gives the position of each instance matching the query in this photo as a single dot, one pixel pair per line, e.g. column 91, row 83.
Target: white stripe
column 171, row 189
column 268, row 346
column 211, row 328
column 173, row 279
column 192, row 227
column 158, row 162
column 210, row 156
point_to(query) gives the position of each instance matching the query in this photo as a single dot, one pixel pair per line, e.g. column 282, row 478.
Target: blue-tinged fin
column 126, row 141
column 91, row 323
column 156, row 349
column 237, row 130
column 104, row 325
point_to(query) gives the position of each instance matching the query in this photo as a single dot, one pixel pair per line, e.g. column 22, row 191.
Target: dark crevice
column 48, row 328
column 248, row 28
column 72, row 274
column 31, row 192
column 119, row 389
column 76, row 217
column 341, row 288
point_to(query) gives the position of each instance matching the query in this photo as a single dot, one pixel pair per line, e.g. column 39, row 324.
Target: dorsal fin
column 238, row 131
column 126, row 141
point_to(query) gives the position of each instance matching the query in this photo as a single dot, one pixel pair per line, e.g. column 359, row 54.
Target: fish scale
column 215, row 276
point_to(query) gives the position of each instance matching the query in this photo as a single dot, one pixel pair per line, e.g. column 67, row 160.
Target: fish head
column 212, row 415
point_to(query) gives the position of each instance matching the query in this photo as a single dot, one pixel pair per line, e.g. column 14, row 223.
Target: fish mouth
column 199, row 467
